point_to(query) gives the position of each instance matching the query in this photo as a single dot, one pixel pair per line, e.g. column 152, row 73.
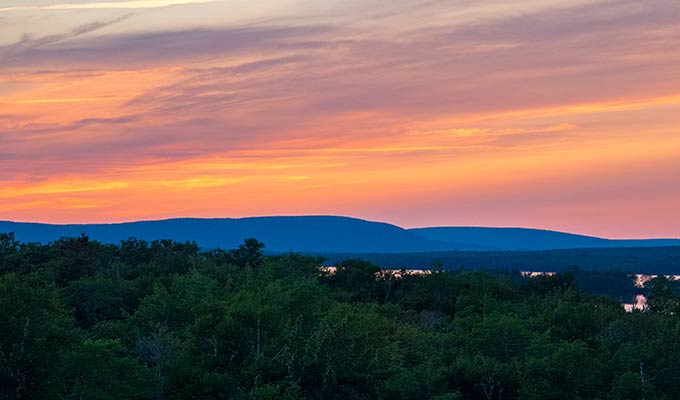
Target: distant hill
column 323, row 234
column 280, row 234
column 529, row 239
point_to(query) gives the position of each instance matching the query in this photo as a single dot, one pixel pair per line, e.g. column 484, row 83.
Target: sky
column 531, row 113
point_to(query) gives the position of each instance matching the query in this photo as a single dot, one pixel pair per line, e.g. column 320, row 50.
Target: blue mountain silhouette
column 280, row 234
column 530, row 239
column 322, row 234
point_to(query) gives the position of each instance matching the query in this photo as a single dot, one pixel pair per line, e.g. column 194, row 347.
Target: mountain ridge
column 324, row 234
column 280, row 234
column 522, row 239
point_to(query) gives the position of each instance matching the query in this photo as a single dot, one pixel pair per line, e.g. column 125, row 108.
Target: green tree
column 36, row 334
column 664, row 296
column 248, row 254
column 101, row 369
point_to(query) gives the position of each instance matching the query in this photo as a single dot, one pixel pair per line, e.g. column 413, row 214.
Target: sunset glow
column 534, row 113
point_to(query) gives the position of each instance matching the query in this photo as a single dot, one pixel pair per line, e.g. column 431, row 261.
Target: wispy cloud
column 178, row 48
column 13, row 53
column 138, row 4
column 67, row 100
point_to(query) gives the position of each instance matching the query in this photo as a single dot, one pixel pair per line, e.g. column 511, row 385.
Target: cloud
column 36, row 129
column 95, row 26
column 138, row 4
column 13, row 53
column 153, row 49
column 63, row 100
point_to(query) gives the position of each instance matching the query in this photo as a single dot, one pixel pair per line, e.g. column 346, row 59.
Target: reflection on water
column 640, row 304
column 640, row 281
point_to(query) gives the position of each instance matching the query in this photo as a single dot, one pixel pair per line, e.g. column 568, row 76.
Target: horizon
column 529, row 114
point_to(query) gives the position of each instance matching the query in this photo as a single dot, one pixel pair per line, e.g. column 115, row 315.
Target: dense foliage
column 166, row 320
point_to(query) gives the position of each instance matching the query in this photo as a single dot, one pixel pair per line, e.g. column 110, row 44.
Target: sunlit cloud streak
column 137, row 4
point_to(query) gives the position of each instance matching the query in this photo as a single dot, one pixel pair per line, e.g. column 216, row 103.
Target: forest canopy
column 168, row 320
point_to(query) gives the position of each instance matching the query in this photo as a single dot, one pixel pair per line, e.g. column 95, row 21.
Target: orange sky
column 532, row 113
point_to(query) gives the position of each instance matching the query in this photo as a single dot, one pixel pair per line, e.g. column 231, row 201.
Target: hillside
column 324, row 234
column 530, row 239
column 280, row 234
